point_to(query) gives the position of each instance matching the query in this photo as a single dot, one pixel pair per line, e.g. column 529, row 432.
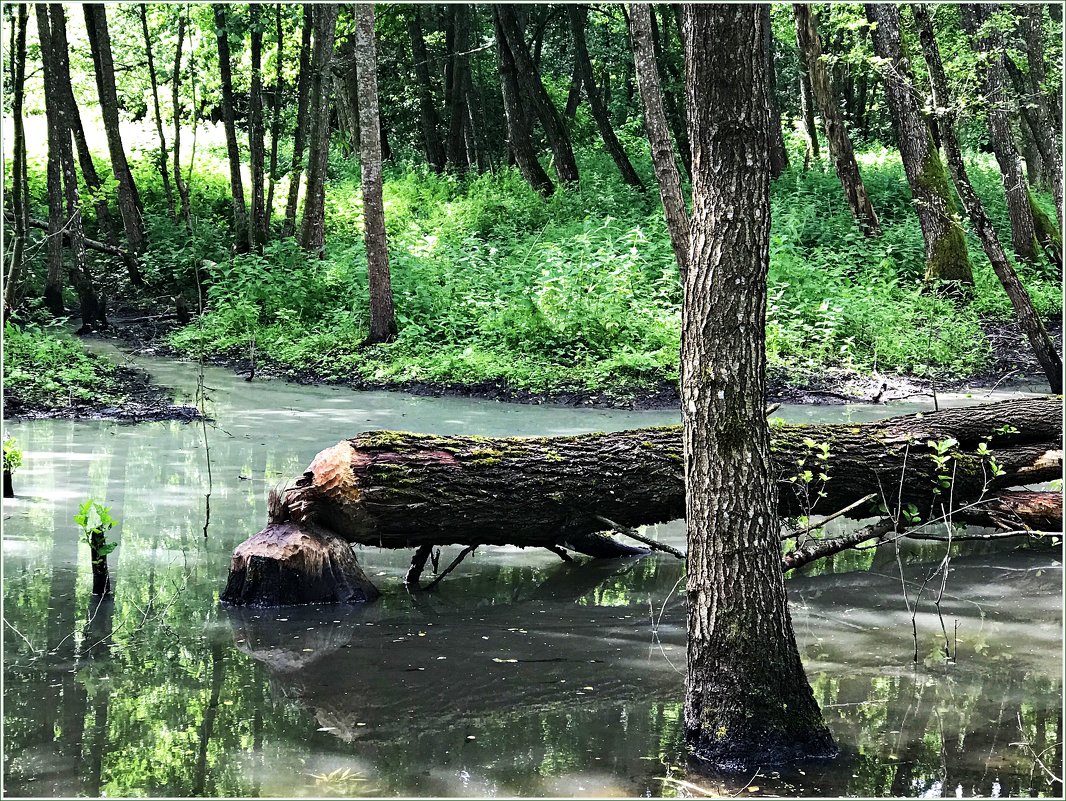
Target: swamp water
column 519, row 675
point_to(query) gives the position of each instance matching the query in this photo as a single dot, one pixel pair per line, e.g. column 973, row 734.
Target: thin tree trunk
column 578, row 15
column 990, row 43
column 946, row 255
column 573, row 95
column 457, row 43
column 662, row 150
column 810, row 124
column 53, row 288
column 303, row 83
column 535, row 93
column 778, row 153
column 312, row 228
column 240, row 210
column 675, row 114
column 164, row 172
column 275, row 123
column 257, row 234
column 747, row 699
column 1028, row 320
column 518, row 127
column 429, row 118
column 175, row 97
column 840, row 147
column 382, row 318
column 19, row 180
column 129, row 202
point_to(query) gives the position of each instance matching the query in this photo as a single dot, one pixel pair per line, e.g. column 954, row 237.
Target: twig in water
column 561, row 553
column 812, row 526
column 455, row 563
column 630, row 532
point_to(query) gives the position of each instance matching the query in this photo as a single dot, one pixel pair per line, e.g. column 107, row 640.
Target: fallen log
column 91, row 244
column 402, row 490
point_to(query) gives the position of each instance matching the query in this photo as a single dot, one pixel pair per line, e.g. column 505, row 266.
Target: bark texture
column 382, row 317
column 655, row 126
column 840, row 148
column 747, row 699
column 19, row 179
column 1028, row 319
column 164, row 171
column 257, row 234
column 240, row 209
column 946, row 255
column 303, row 83
column 427, row 108
column 778, row 153
column 312, row 228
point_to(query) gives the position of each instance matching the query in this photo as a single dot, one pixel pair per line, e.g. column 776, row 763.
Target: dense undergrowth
column 494, row 284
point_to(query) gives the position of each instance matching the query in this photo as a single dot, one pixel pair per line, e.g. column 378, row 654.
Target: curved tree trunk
column 946, row 255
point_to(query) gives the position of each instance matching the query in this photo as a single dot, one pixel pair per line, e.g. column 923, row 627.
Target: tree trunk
column 275, row 122
column 1028, row 319
column 129, row 202
column 675, row 114
column 382, row 318
column 535, row 93
column 19, row 179
column 303, row 83
column 810, row 125
column 312, row 229
column 430, row 121
column 747, row 700
column 175, row 97
column 456, row 43
column 164, row 171
column 518, row 126
column 240, row 210
column 57, row 132
column 257, row 234
column 946, row 254
column 840, row 147
column 578, row 15
column 778, row 153
column 990, row 43
column 573, row 94
column 662, row 150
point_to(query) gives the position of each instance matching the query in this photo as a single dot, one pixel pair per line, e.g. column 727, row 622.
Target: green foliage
column 46, row 368
column 12, row 455
column 95, row 520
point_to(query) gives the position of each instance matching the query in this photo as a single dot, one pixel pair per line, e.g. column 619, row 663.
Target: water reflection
column 520, row 676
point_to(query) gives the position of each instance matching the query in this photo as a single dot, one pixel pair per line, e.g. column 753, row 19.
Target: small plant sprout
column 95, row 521
column 12, row 462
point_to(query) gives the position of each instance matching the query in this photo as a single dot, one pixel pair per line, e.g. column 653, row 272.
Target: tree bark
column 535, row 93
column 457, row 43
column 747, row 699
column 993, row 81
column 303, row 83
column 427, row 108
column 382, row 317
column 240, row 209
column 1028, row 319
column 129, row 202
column 518, row 124
column 275, row 122
column 19, row 178
column 662, row 149
column 675, row 115
column 312, row 229
column 806, row 93
column 164, row 171
column 840, row 147
column 778, row 153
column 257, row 234
column 175, row 97
column 946, row 255
column 578, row 15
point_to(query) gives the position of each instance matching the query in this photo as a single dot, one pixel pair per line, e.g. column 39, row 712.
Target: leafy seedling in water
column 95, row 521
column 12, row 462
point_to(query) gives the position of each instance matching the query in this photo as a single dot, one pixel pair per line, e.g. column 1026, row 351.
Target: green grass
column 45, row 369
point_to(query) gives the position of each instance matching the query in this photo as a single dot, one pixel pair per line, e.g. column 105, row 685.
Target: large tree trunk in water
column 533, row 89
column 840, row 147
column 1028, row 319
column 427, row 107
column 662, row 150
column 19, row 180
column 946, row 255
column 578, row 16
column 518, row 124
column 240, row 210
column 990, row 43
column 312, row 228
column 382, row 318
column 257, row 234
column 778, row 153
column 129, row 202
column 303, row 84
column 747, row 700
column 164, row 171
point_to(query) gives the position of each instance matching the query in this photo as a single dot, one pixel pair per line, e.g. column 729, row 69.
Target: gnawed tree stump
column 402, row 490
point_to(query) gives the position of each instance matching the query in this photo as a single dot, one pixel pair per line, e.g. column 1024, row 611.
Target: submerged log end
column 289, row 564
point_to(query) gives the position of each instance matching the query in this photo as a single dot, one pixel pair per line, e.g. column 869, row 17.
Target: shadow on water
column 520, row 675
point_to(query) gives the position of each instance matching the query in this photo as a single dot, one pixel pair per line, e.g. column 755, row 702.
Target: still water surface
column 521, row 675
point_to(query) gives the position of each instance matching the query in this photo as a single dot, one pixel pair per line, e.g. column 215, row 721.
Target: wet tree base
column 289, row 564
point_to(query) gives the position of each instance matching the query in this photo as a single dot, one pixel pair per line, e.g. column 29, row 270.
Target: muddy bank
column 1011, row 364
